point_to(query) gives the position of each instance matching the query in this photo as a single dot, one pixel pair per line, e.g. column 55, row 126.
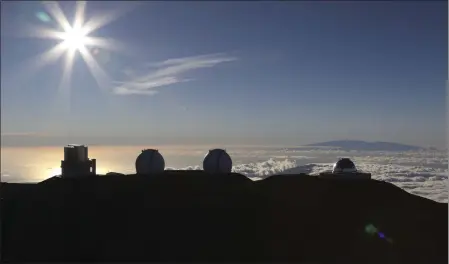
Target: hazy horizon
column 423, row 173
column 30, row 140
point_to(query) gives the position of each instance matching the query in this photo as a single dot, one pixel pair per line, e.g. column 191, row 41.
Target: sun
column 53, row 172
column 74, row 41
column 74, row 38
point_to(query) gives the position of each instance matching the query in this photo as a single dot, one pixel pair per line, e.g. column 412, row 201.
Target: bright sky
column 227, row 72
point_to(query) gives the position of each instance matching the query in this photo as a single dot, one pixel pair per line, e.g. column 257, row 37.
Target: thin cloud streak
column 23, row 134
column 169, row 72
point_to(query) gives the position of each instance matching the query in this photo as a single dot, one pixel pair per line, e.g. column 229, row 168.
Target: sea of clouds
column 423, row 173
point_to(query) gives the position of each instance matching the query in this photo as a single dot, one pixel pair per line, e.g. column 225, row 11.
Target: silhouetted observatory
column 344, row 165
column 150, row 161
column 196, row 216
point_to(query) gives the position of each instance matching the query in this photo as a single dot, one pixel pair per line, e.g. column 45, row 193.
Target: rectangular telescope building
column 76, row 162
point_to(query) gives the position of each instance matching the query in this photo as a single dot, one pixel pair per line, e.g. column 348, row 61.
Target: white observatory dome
column 217, row 161
column 150, row 161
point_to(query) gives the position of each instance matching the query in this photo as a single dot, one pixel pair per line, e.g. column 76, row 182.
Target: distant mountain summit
column 364, row 145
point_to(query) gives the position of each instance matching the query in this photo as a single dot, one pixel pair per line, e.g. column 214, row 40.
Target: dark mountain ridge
column 368, row 146
column 195, row 216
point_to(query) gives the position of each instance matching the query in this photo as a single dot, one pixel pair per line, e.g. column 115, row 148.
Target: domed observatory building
column 344, row 165
column 217, row 161
column 344, row 168
column 150, row 161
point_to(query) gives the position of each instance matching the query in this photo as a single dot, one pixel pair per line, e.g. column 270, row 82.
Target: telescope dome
column 217, row 161
column 344, row 165
column 150, row 161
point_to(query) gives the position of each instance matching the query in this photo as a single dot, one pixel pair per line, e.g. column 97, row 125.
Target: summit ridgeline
column 199, row 216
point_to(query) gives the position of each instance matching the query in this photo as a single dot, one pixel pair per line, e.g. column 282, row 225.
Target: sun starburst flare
column 73, row 39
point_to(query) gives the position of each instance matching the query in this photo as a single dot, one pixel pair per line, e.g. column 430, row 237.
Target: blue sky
column 233, row 73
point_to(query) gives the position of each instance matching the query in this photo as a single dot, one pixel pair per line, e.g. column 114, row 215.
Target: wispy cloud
column 169, row 72
column 23, row 134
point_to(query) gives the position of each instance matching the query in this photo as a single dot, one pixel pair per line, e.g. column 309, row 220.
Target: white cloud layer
column 167, row 73
column 423, row 173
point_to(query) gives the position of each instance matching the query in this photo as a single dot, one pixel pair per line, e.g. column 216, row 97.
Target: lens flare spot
column 44, row 17
column 370, row 229
column 95, row 51
column 103, row 56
